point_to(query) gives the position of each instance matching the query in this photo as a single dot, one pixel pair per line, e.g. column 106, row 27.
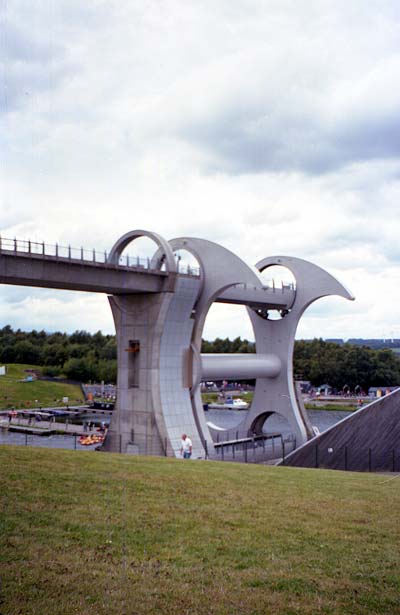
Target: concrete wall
column 369, row 439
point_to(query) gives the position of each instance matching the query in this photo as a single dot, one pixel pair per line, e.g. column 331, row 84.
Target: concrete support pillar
column 153, row 392
column 139, row 322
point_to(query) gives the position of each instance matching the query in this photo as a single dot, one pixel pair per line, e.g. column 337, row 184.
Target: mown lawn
column 38, row 393
column 332, row 407
column 100, row 533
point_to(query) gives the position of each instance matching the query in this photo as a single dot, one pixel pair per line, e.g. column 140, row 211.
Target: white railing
column 279, row 287
column 22, row 246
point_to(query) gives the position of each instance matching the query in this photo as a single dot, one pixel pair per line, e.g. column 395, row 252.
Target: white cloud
column 271, row 128
column 38, row 310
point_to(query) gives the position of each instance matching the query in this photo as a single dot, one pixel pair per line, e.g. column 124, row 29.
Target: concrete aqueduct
column 159, row 314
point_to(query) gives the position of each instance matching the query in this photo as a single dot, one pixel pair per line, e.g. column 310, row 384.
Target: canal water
column 227, row 419
column 64, row 441
column 56, row 441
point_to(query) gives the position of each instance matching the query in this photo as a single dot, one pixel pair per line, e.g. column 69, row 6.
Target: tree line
column 78, row 356
column 85, row 356
column 345, row 365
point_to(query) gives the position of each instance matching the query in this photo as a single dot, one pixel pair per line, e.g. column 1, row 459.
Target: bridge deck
column 25, row 268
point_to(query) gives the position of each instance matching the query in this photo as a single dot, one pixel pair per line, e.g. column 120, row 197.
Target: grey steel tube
column 239, row 366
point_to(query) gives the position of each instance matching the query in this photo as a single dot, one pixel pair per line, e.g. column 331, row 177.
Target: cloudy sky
column 271, row 127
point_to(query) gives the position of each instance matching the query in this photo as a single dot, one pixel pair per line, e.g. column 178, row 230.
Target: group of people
column 89, row 425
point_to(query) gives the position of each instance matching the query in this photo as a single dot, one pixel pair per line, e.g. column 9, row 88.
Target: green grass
column 93, row 533
column 14, row 393
column 332, row 407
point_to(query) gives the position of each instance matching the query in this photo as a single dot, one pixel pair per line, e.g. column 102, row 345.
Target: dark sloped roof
column 367, row 439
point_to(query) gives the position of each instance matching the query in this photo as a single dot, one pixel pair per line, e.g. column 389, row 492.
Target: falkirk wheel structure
column 159, row 334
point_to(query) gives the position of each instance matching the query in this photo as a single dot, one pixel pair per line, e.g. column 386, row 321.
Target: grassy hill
column 93, row 533
column 14, row 393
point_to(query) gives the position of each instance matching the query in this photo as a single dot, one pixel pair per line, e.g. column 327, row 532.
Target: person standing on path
column 186, row 447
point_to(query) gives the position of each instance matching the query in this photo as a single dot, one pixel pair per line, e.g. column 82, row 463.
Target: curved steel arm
column 126, row 239
column 312, row 282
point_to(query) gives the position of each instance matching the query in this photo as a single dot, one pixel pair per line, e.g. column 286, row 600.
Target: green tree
column 79, row 369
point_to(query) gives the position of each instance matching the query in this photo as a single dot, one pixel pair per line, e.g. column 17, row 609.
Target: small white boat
column 237, row 404
column 230, row 404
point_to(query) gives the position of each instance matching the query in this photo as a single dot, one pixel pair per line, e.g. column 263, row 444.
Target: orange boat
column 91, row 439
